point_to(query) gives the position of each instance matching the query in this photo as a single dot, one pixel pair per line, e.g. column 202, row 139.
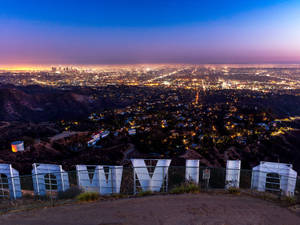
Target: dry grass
column 185, row 188
column 88, row 196
column 144, row 193
column 234, row 191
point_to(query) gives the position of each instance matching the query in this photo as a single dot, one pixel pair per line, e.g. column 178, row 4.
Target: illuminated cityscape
column 193, row 108
column 265, row 78
column 149, row 112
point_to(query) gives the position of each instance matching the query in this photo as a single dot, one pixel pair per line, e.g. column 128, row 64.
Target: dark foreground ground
column 161, row 210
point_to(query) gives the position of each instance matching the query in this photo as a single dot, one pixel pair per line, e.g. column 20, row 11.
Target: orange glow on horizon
column 48, row 67
column 22, row 68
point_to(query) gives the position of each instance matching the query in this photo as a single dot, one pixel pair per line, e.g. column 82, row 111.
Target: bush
column 185, row 188
column 144, row 193
column 234, row 191
column 291, row 200
column 70, row 193
column 268, row 196
column 88, row 196
column 46, row 197
column 117, row 196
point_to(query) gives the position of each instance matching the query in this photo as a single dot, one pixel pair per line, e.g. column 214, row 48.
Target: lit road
column 163, row 76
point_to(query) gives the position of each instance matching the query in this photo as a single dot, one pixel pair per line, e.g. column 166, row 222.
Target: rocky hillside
column 38, row 104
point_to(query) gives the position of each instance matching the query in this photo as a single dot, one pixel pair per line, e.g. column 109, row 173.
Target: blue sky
column 101, row 32
column 128, row 13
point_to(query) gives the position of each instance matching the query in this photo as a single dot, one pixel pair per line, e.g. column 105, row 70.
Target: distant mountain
column 38, row 104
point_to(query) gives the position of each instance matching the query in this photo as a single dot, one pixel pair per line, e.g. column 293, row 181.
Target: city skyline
column 195, row 32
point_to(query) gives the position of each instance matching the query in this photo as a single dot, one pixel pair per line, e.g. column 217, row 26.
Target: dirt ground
column 160, row 210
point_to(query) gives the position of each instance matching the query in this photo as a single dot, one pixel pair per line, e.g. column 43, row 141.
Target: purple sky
column 269, row 34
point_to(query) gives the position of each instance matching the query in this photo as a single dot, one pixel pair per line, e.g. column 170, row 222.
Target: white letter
column 13, row 179
column 192, row 170
column 57, row 178
column 233, row 169
column 155, row 182
column 98, row 180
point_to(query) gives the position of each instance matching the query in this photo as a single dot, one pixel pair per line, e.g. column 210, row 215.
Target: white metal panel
column 38, row 176
column 233, row 170
column 88, row 181
column 98, row 180
column 155, row 182
column 111, row 182
column 288, row 176
column 14, row 184
column 192, row 170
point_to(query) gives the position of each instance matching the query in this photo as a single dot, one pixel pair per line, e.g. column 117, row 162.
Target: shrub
column 234, row 190
column 46, row 197
column 291, row 200
column 185, row 188
column 117, row 196
column 88, row 196
column 268, row 196
column 144, row 193
column 70, row 193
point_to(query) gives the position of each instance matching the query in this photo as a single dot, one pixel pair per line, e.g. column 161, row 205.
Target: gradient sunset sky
column 156, row 31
